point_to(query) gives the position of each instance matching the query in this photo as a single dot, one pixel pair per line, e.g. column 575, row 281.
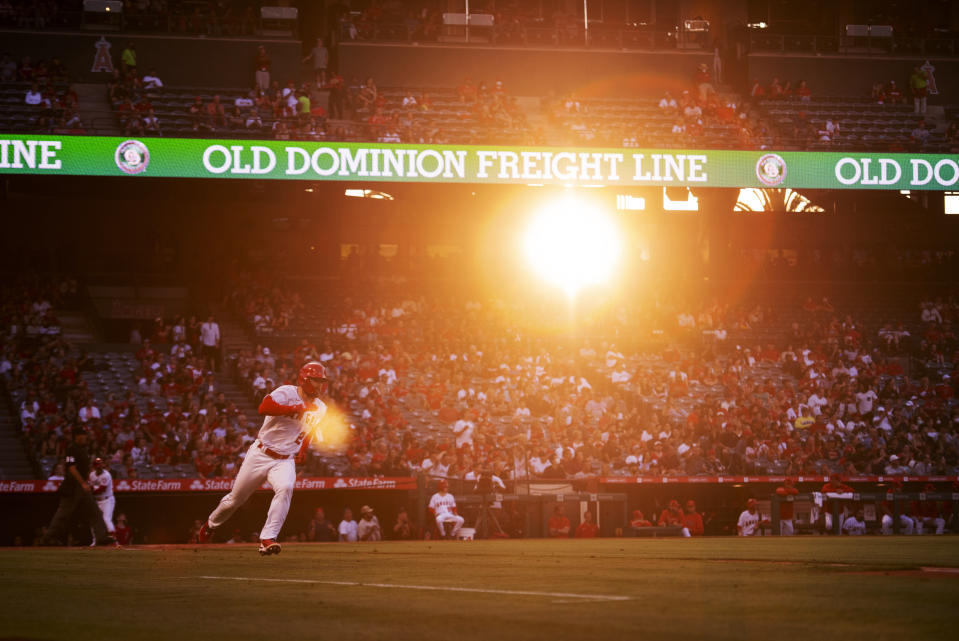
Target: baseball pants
column 106, row 510
column 786, row 527
column 938, row 523
column 258, row 467
column 79, row 503
column 448, row 517
column 906, row 524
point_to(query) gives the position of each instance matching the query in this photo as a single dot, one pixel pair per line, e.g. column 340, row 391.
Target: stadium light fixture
column 626, row 202
column 690, row 204
column 572, row 244
column 951, row 202
column 367, row 193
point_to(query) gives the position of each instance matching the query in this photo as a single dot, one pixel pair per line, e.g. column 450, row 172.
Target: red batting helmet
column 311, row 373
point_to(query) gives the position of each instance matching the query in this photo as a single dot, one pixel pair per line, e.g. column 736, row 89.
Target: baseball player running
column 291, row 416
column 443, row 507
column 101, row 486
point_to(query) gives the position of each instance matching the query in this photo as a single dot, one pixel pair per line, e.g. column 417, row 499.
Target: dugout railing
column 836, row 505
column 495, row 515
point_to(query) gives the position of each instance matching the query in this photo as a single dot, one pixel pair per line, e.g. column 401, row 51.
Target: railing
column 172, row 23
column 633, row 38
column 860, row 45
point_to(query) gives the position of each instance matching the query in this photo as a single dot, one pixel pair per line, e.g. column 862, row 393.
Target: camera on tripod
column 484, row 482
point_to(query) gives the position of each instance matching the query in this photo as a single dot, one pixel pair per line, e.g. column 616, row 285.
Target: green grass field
column 719, row 588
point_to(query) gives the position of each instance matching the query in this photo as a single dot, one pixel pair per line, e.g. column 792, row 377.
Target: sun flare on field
column 572, row 244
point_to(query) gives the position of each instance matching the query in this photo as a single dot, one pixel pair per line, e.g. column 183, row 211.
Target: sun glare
column 572, row 244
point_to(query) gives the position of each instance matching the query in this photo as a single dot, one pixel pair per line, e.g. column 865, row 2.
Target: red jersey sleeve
column 269, row 407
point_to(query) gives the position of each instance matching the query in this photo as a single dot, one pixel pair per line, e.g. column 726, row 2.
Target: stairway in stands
column 13, row 461
column 234, row 338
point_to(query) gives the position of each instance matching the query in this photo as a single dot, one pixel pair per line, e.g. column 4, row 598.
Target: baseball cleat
column 205, row 535
column 268, row 547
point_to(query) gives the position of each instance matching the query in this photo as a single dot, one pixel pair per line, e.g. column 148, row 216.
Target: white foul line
column 439, row 588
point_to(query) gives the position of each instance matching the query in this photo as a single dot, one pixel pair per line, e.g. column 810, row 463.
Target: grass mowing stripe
column 439, row 588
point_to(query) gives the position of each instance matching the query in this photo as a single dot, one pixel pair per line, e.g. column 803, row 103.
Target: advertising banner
column 375, row 162
column 121, row 486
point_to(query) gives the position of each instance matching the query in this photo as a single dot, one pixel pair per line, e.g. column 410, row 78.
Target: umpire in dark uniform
column 75, row 496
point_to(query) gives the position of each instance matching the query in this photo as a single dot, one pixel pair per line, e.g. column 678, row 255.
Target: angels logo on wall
column 929, row 70
column 102, row 61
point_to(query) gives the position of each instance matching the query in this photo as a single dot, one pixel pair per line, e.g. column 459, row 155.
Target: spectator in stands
column 216, row 114
column 25, row 70
column 151, row 82
column 303, row 107
column 918, row 85
column 668, row 105
column 337, row 97
column 253, row 120
column 893, row 95
column 128, row 60
column 33, row 96
column 236, row 119
column 367, row 96
column 803, row 92
column 8, row 68
column 151, row 124
column 920, row 135
column 320, row 57
column 132, row 123
column 262, row 68
column 198, row 113
column 58, row 472
column 952, row 136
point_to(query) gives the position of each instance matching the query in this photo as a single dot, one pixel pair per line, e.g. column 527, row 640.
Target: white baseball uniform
column 270, row 458
column 853, row 526
column 748, row 523
column 443, row 505
column 906, row 524
column 105, row 500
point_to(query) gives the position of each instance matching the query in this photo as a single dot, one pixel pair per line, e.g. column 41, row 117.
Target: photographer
column 402, row 530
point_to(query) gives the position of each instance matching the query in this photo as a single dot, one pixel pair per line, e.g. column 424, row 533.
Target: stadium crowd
column 453, row 389
column 828, row 398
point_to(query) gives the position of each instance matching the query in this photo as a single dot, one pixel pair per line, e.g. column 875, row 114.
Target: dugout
column 526, row 515
column 811, row 504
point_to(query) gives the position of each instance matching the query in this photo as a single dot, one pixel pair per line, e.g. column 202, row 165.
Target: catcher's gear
column 311, row 374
